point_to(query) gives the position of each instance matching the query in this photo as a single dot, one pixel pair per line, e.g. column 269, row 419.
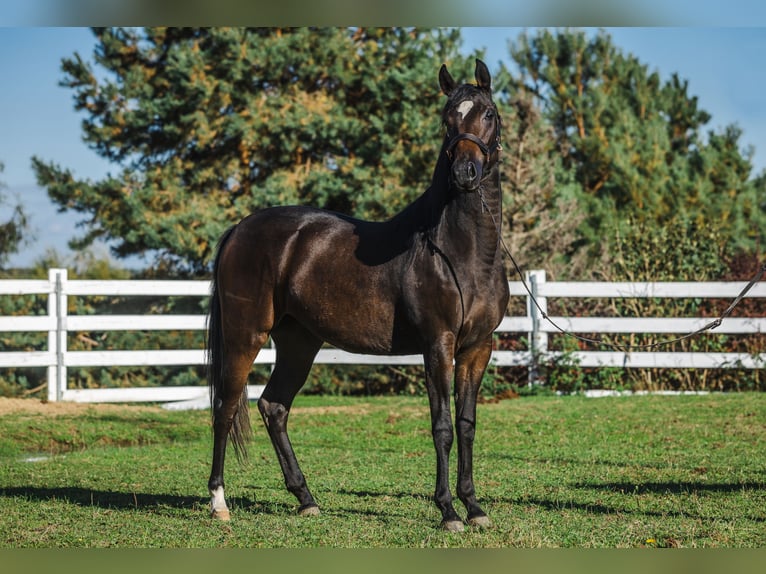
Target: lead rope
column 598, row 341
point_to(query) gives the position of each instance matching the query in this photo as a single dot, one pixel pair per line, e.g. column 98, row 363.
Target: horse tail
column 240, row 432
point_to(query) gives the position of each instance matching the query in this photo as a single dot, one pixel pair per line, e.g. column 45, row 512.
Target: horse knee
column 466, row 430
column 443, row 436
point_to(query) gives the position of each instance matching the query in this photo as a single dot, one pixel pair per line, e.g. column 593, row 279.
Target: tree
column 206, row 125
column 541, row 207
column 635, row 143
column 12, row 231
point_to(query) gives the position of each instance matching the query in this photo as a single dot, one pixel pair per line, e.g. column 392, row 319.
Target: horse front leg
column 470, row 366
column 439, row 374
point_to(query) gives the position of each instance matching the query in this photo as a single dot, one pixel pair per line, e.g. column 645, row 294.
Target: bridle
column 476, row 140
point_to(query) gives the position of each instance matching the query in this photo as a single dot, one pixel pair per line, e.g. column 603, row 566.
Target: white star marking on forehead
column 464, row 107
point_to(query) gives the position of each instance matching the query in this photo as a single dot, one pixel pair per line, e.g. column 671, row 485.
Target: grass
column 683, row 471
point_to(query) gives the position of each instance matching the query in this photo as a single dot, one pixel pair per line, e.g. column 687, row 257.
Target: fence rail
column 58, row 324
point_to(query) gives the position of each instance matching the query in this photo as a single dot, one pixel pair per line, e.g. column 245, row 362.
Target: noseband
column 476, row 140
column 485, row 149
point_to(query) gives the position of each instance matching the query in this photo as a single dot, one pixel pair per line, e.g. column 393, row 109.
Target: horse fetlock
column 297, row 486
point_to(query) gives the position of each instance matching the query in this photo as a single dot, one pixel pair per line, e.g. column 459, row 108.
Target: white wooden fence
column 58, row 323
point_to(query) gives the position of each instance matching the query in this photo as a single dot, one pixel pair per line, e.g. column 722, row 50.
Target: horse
column 428, row 281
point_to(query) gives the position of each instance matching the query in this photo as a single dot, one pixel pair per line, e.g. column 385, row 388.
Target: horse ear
column 483, row 78
column 446, row 81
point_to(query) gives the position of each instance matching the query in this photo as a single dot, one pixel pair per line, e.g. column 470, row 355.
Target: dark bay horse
column 428, row 281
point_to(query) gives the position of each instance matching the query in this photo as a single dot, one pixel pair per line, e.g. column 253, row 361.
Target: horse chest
column 442, row 300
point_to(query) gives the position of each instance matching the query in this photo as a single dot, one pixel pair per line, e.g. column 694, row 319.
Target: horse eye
column 489, row 114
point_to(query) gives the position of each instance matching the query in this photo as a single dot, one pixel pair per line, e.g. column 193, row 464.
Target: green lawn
column 551, row 471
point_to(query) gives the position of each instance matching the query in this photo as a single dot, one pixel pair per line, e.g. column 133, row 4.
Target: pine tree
column 541, row 204
column 635, row 143
column 206, row 125
column 12, row 230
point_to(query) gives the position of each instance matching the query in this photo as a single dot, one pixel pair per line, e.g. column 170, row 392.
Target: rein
column 485, row 149
column 599, row 341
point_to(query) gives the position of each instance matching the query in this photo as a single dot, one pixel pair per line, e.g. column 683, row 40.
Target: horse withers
column 428, row 281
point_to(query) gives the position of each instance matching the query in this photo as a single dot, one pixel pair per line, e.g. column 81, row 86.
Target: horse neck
column 466, row 224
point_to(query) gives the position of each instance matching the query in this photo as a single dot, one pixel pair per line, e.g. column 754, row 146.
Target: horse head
column 473, row 127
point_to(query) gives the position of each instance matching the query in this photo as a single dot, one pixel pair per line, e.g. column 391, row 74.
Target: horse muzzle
column 467, row 173
column 467, row 164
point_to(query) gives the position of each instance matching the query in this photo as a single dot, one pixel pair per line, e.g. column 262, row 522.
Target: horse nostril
column 467, row 174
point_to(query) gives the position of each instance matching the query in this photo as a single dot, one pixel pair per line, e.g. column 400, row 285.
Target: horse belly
column 349, row 311
column 348, row 303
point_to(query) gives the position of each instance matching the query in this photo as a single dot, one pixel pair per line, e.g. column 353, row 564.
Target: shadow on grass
column 563, row 460
column 628, row 490
column 683, row 487
column 402, row 508
column 374, row 494
column 135, row 501
column 157, row 502
column 110, row 500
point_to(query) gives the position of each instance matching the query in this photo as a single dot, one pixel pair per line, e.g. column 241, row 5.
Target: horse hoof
column 481, row 521
column 220, row 515
column 453, row 526
column 312, row 510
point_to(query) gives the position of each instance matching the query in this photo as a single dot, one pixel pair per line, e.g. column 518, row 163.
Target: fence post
column 57, row 340
column 538, row 339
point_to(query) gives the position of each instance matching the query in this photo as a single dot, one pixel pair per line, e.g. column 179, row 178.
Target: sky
column 725, row 67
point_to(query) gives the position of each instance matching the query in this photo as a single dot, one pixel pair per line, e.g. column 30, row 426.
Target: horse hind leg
column 296, row 349
column 230, row 416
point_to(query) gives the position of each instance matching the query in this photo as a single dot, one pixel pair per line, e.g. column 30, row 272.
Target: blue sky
column 725, row 67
